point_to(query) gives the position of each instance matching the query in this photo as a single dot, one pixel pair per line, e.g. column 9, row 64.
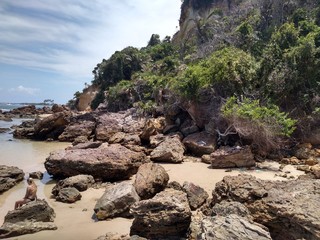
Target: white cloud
column 71, row 37
column 26, row 90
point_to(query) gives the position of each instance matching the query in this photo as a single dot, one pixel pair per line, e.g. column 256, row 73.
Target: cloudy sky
column 48, row 49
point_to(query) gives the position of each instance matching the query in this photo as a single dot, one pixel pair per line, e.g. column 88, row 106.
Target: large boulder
column 200, row 143
column 77, row 129
column 229, row 157
column 171, row 150
column 116, row 201
column 33, row 217
column 197, row 196
column 110, row 123
column 80, row 182
column 290, row 209
column 9, row 177
column 166, row 216
column 24, row 130
column 52, row 126
column 151, row 178
column 68, row 195
column 231, row 227
column 108, row 162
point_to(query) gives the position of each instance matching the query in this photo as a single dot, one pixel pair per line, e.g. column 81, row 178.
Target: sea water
column 27, row 155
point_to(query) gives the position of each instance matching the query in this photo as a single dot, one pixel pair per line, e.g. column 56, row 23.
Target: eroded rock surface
column 151, row 178
column 200, row 143
column 116, row 201
column 196, row 195
column 108, row 162
column 166, row 216
column 9, row 177
column 229, row 157
column 171, row 150
column 33, row 217
column 290, row 209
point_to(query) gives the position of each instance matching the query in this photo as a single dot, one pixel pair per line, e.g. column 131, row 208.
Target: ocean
column 9, row 106
column 25, row 154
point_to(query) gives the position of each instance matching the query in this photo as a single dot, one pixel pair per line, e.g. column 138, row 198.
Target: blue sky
column 49, row 48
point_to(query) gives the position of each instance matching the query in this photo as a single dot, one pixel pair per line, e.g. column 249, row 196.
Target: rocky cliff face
column 86, row 98
column 214, row 21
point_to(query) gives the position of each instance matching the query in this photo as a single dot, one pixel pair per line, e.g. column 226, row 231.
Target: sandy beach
column 75, row 221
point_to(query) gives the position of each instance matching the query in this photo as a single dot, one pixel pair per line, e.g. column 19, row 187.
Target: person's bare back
column 31, row 194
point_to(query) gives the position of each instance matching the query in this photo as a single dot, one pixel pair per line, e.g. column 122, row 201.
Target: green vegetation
column 273, row 59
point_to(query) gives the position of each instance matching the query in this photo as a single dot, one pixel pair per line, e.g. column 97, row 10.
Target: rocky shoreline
column 109, row 148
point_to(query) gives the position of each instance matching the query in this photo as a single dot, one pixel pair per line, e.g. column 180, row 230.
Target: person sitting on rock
column 31, row 194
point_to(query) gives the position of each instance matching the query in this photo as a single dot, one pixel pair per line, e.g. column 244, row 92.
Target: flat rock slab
column 108, row 162
column 9, row 177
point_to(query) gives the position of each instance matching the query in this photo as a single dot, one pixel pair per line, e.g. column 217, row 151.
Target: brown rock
column 316, row 171
column 77, row 129
column 152, row 127
column 116, row 201
column 170, row 150
column 228, row 157
column 68, row 195
column 200, row 143
column 9, row 177
column 108, row 162
column 276, row 203
column 167, row 215
column 196, row 195
column 150, row 179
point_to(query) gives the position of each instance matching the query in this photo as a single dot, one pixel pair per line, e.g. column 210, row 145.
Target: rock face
column 196, row 195
column 116, row 201
column 9, row 177
column 150, row 179
column 200, row 143
column 77, row 129
column 170, row 150
column 52, row 126
column 108, row 162
column 231, row 227
column 166, row 216
column 30, row 218
column 80, row 182
column 229, row 157
column 152, row 127
column 290, row 209
column 24, row 130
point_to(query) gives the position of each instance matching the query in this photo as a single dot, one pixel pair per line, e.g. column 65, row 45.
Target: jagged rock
column 152, row 127
column 58, row 108
column 225, row 209
column 150, row 179
column 311, row 161
column 231, row 227
column 188, row 127
column 155, row 140
column 175, row 185
column 125, row 138
column 116, row 201
column 24, row 130
column 227, row 157
column 52, row 126
column 108, row 162
column 167, row 215
column 110, row 123
column 80, row 182
column 68, row 195
column 36, row 175
column 200, row 143
column 77, row 129
column 303, row 152
column 290, row 209
column 5, row 118
column 30, row 218
column 170, row 150
column 291, row 161
column 196, row 195
column 9, row 177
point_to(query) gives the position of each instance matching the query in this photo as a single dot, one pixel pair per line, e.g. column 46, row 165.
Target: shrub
column 264, row 126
